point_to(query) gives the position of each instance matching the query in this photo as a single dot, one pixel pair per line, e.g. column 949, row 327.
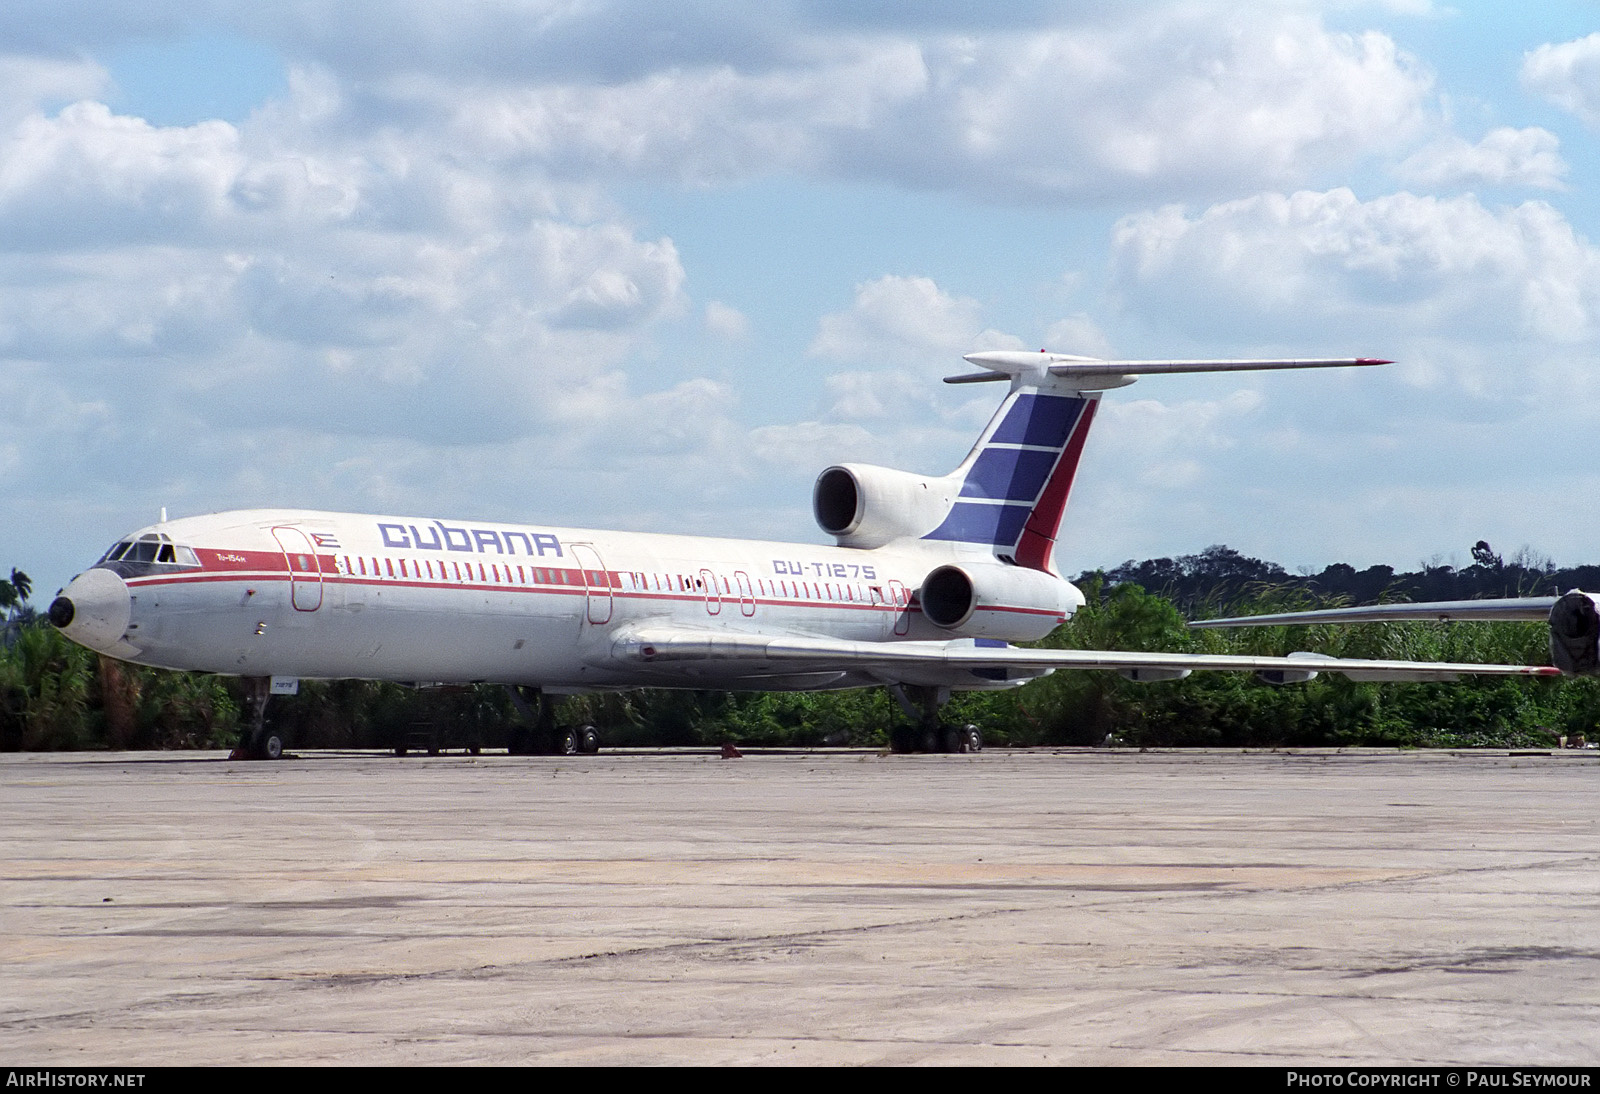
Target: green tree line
column 1220, row 577
column 55, row 694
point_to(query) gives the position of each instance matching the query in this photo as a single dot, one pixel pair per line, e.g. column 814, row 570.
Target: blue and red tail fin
column 1015, row 483
column 1016, row 480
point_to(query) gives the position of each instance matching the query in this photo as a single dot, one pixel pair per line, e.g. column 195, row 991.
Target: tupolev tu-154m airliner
column 929, row 581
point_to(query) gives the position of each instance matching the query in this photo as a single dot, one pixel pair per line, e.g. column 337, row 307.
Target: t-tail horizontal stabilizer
column 1094, row 374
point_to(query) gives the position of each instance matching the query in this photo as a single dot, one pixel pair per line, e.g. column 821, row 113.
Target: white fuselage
column 309, row 594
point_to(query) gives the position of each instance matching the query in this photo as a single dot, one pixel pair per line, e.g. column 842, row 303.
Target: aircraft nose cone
column 94, row 611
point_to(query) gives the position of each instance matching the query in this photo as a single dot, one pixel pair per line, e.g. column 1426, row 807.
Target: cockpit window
column 146, row 553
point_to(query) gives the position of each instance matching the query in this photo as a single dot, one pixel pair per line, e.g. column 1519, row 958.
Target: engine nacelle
column 866, row 506
column 998, row 601
column 1575, row 634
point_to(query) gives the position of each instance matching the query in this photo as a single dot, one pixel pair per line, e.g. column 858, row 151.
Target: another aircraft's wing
column 901, row 660
column 1525, row 608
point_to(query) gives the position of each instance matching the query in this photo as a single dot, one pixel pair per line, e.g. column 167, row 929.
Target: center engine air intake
column 837, row 502
column 867, row 506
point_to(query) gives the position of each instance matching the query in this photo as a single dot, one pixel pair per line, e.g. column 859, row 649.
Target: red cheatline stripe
column 567, row 590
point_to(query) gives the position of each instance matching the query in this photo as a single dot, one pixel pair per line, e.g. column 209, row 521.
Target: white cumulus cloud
column 1179, row 96
column 1331, row 264
column 900, row 320
column 1504, row 157
column 1567, row 74
column 726, row 321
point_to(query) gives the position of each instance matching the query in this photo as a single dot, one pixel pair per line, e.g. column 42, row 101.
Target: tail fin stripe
column 1014, row 484
column 1009, row 474
column 1037, row 419
column 976, row 522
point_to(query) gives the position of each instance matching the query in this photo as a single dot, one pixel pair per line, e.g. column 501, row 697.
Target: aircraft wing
column 964, row 659
column 1524, row 608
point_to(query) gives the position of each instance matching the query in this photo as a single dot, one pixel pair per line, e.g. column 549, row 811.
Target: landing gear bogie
column 940, row 738
column 927, row 733
column 544, row 737
column 576, row 740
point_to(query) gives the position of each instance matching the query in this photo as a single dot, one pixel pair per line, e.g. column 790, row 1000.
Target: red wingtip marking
column 1373, row 361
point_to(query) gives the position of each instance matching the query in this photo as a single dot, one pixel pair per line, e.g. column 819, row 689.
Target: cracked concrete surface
column 1047, row 906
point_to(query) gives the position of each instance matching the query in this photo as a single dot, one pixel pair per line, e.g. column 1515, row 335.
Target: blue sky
column 616, row 264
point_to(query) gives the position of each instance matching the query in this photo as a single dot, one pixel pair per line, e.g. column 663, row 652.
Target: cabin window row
column 412, row 569
column 403, row 569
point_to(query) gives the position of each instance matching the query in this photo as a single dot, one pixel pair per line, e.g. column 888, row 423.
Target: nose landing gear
column 257, row 741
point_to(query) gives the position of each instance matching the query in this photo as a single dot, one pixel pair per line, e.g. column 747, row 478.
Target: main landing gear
column 257, row 741
column 544, row 737
column 927, row 733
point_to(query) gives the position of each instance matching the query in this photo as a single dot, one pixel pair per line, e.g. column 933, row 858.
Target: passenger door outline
column 305, row 569
column 596, row 582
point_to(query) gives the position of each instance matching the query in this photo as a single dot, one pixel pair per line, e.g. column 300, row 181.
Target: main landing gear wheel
column 928, row 733
column 907, row 738
column 544, row 736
